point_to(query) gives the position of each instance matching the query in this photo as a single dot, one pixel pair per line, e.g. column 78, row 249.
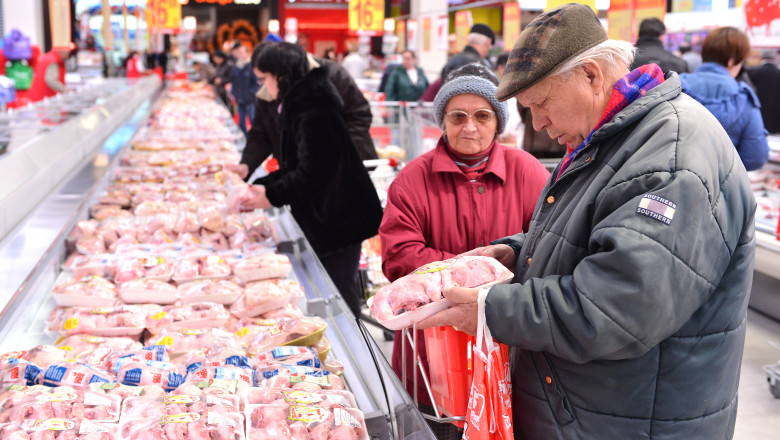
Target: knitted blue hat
column 473, row 85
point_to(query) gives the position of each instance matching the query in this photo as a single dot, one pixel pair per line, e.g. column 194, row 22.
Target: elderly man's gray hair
column 475, row 38
column 613, row 54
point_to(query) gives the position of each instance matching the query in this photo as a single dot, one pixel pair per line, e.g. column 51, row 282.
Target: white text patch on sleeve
column 657, row 208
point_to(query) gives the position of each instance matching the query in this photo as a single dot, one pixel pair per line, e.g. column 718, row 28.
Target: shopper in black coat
column 650, row 49
column 321, row 176
column 766, row 79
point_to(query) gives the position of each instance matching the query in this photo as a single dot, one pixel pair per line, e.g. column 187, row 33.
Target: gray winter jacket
column 627, row 312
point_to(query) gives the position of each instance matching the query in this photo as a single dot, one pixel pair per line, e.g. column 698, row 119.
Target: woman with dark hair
column 734, row 103
column 321, row 177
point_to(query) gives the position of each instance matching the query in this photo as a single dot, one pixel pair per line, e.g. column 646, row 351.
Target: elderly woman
column 321, row 176
column 465, row 193
column 733, row 103
column 626, row 315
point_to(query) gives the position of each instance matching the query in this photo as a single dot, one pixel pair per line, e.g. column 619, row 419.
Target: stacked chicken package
column 175, row 317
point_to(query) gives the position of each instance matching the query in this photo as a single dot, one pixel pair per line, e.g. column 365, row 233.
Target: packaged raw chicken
column 259, row 227
column 158, row 353
column 195, row 315
column 215, row 356
column 142, row 373
column 151, row 267
column 72, row 374
column 265, row 396
column 288, row 355
column 264, row 296
column 125, row 391
column 221, row 372
column 201, row 267
column 216, row 291
column 22, row 391
column 260, row 335
column 103, row 265
column 416, row 296
column 136, row 408
column 302, row 382
column 288, row 311
column 91, row 290
column 144, row 291
column 184, row 340
column 95, row 350
column 41, row 356
column 101, row 321
column 64, row 403
column 262, row 266
column 275, row 421
column 58, row 429
column 18, row 372
column 91, row 244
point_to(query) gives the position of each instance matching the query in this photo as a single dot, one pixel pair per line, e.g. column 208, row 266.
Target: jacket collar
column 443, row 163
column 711, row 67
column 471, row 50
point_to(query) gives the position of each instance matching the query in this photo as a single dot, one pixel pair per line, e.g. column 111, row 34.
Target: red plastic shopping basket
column 449, row 360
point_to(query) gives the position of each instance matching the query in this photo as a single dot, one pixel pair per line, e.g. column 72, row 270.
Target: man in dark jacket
column 650, row 49
column 627, row 312
column 766, row 79
column 481, row 39
column 243, row 85
column 263, row 137
column 223, row 66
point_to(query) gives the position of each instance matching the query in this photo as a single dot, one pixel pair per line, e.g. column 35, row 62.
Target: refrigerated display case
column 31, row 256
column 765, row 296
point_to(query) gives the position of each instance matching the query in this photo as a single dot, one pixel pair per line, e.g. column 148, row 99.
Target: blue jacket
column 736, row 107
column 244, row 84
column 626, row 315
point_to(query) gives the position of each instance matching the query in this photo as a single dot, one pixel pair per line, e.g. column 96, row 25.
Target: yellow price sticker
column 159, row 315
column 166, row 341
column 366, row 16
column 242, row 332
column 66, row 348
column 70, row 323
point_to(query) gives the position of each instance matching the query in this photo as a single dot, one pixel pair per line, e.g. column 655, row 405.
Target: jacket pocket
column 556, row 397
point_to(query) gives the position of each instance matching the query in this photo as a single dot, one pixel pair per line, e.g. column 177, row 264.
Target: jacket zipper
column 539, row 228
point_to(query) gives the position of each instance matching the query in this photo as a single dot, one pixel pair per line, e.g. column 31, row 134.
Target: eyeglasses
column 481, row 116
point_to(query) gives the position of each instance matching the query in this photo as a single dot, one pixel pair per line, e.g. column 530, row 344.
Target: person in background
column 206, row 72
column 243, row 85
column 733, row 103
column 766, row 78
column 481, row 38
column 449, row 200
column 321, row 176
column 263, row 139
column 627, row 313
column 510, row 135
column 391, row 61
column 690, row 56
column 330, row 54
column 407, row 81
column 223, row 68
column 650, row 48
column 49, row 74
column 355, row 63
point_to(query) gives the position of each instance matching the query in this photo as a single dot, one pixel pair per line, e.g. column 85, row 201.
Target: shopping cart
column 423, row 132
column 773, row 374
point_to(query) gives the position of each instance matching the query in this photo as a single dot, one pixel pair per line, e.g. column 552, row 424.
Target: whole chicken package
column 91, row 290
column 294, row 421
column 255, row 396
column 416, row 296
column 100, row 321
column 58, row 429
column 216, row 291
column 67, row 403
column 264, row 296
column 144, row 290
column 260, row 335
column 195, row 315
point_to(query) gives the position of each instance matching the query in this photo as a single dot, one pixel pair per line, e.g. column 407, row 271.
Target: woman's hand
column 501, row 252
column 241, row 169
column 259, row 201
column 462, row 317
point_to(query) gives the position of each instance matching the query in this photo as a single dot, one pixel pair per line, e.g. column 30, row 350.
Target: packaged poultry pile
column 175, row 318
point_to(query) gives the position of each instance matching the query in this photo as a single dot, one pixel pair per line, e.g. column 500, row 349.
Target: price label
column 366, row 16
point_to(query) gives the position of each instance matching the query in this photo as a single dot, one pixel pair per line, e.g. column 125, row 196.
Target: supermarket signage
column 163, row 15
column 366, row 17
column 227, row 2
column 511, row 24
column 555, row 3
column 462, row 27
column 400, row 31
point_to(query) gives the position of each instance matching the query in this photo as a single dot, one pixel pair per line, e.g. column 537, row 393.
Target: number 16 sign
column 366, row 17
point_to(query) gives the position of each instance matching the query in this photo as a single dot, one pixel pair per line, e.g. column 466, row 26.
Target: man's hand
column 217, row 80
column 462, row 317
column 501, row 252
column 241, row 169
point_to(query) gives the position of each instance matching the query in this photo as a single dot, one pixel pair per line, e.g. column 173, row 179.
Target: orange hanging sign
column 163, row 15
column 366, row 17
column 511, row 24
column 462, row 27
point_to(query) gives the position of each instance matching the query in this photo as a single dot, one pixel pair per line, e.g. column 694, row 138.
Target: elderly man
column 626, row 315
column 481, row 38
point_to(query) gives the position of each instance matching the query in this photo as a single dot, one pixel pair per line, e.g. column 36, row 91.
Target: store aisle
column 758, row 417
